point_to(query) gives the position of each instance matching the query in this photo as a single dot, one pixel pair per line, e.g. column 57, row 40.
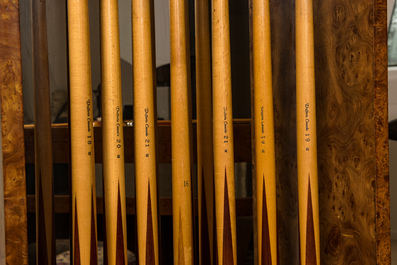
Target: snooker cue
column 181, row 128
column 264, row 135
column 309, row 230
column 205, row 162
column 84, row 225
column 45, row 229
column 115, row 240
column 145, row 122
column 225, row 204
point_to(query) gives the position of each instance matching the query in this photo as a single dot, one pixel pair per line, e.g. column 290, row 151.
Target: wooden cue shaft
column 306, row 135
column 264, row 135
column 181, row 134
column 84, row 235
column 225, row 204
column 205, row 162
column 145, row 122
column 45, row 232
column 112, row 136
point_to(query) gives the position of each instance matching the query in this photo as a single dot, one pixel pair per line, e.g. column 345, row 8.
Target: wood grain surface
column 45, row 225
column 14, row 184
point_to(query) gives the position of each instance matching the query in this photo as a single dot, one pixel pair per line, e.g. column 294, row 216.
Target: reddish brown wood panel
column 382, row 199
column 13, row 134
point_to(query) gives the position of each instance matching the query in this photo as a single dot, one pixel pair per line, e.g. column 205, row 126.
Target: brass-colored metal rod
column 205, row 158
column 84, row 232
column 264, row 135
column 225, row 204
column 112, row 136
column 45, row 236
column 306, row 135
column 181, row 128
column 145, row 122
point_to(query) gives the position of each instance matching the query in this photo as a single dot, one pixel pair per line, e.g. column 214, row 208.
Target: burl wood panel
column 12, row 134
column 344, row 58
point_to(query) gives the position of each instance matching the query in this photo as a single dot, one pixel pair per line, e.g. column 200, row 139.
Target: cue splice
column 265, row 164
column 115, row 245
column 181, row 128
column 306, row 135
column 225, row 204
column 84, row 235
column 145, row 122
column 205, row 162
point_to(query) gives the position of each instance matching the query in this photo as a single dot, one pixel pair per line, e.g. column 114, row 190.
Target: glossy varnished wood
column 14, row 184
column 45, row 226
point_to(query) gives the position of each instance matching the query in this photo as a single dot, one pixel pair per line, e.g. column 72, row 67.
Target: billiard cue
column 264, row 135
column 115, row 245
column 45, row 231
column 306, row 135
column 145, row 122
column 225, row 204
column 84, row 225
column 205, row 158
column 181, row 134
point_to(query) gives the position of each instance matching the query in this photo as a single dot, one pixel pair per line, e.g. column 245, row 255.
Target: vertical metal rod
column 45, row 239
column 264, row 135
column 115, row 242
column 145, row 122
column 181, row 128
column 84, row 234
column 306, row 135
column 205, row 162
column 223, row 135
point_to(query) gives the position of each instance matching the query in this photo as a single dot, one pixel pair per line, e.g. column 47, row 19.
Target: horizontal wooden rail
column 60, row 142
column 61, row 205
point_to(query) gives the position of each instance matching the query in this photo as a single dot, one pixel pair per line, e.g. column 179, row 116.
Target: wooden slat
column 60, row 140
column 14, row 183
column 61, row 202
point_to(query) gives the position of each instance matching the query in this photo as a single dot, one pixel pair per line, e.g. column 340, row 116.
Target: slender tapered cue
column 84, row 226
column 115, row 244
column 225, row 203
column 45, row 231
column 145, row 122
column 205, row 162
column 181, row 134
column 309, row 228
column 264, row 135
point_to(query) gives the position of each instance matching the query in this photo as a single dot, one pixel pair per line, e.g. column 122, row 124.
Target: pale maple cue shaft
column 264, row 135
column 225, row 203
column 45, row 236
column 205, row 162
column 112, row 136
column 180, row 134
column 84, row 235
column 306, row 135
column 145, row 122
